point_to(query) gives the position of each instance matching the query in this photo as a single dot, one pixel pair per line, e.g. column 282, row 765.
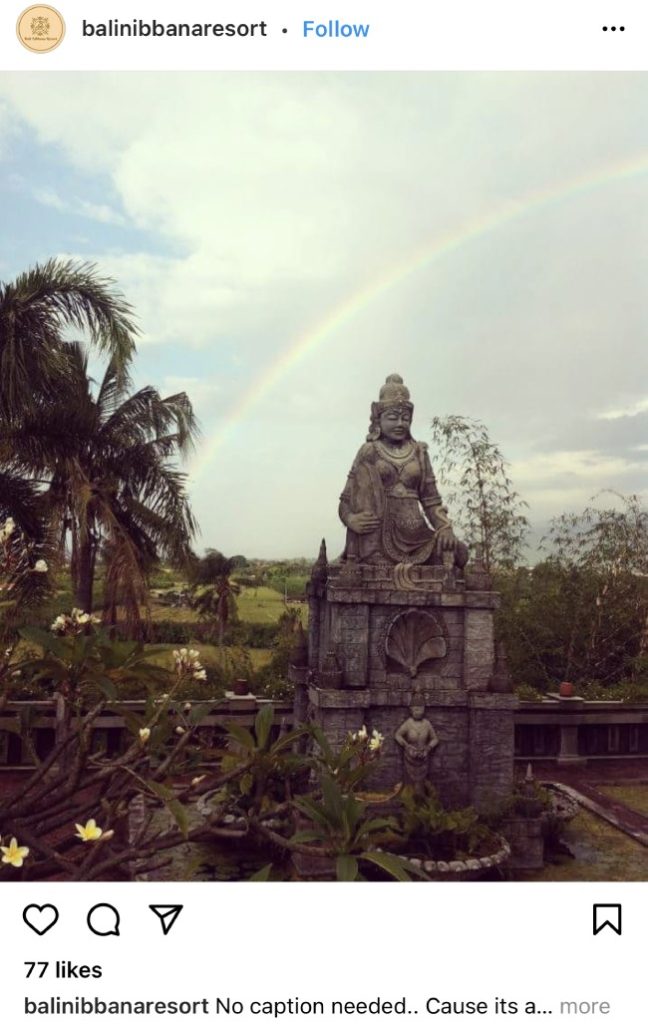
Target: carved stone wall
column 432, row 636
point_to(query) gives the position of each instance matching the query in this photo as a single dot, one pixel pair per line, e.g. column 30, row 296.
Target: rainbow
column 419, row 259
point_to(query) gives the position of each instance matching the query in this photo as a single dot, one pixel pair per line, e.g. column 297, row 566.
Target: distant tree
column 213, row 589
column 485, row 507
column 239, row 562
column 582, row 613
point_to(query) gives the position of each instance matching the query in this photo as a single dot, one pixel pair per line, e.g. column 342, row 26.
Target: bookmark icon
column 607, row 915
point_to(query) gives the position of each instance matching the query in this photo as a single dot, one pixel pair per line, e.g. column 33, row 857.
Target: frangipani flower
column 89, row 832
column 144, row 734
column 187, row 662
column 376, row 741
column 73, row 624
column 8, row 528
column 41, row 566
column 14, row 854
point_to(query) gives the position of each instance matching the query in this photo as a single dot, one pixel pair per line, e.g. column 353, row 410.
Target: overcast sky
column 289, row 240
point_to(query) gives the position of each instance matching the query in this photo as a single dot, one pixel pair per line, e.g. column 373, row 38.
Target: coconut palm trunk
column 86, row 561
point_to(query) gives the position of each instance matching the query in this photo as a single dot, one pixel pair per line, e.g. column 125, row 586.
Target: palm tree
column 214, row 591
column 104, row 459
column 37, row 309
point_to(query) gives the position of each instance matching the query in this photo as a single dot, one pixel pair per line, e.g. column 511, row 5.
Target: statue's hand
column 446, row 540
column 363, row 522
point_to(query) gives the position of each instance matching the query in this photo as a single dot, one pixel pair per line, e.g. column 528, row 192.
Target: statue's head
column 391, row 415
column 417, row 712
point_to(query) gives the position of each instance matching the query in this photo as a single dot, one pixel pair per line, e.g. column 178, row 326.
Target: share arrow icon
column 167, row 913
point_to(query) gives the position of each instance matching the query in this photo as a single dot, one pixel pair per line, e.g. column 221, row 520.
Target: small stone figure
column 390, row 505
column 418, row 739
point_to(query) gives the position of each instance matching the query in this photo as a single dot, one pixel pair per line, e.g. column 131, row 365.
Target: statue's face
column 395, row 424
column 417, row 712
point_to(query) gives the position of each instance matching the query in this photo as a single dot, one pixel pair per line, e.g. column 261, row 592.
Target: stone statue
column 390, row 504
column 418, row 739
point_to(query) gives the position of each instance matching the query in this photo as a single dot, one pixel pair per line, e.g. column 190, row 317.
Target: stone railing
column 564, row 730
column 110, row 735
column 572, row 730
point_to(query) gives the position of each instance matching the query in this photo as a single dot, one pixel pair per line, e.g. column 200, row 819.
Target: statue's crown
column 394, row 391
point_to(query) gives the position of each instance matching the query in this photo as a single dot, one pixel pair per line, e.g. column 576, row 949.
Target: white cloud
column 634, row 409
column 202, row 391
column 94, row 211
column 265, row 201
column 575, row 467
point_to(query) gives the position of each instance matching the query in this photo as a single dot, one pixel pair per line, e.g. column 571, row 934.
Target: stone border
column 470, row 868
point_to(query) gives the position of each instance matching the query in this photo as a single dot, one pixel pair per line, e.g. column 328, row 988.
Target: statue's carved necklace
column 398, row 454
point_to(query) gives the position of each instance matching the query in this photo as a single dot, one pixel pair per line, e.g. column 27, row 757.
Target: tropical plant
column 36, row 312
column 485, row 507
column 269, row 763
column 104, row 459
column 438, row 833
column 341, row 827
column 83, row 814
column 214, row 590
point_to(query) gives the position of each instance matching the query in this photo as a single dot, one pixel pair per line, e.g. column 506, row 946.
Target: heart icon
column 40, row 919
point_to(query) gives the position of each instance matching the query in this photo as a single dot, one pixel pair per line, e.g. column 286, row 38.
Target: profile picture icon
column 40, row 28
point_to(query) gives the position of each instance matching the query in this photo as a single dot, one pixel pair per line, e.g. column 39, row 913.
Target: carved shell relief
column 414, row 638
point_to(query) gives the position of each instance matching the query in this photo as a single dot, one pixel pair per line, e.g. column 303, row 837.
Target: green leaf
column 397, row 867
column 332, row 795
column 346, row 868
column 179, row 812
column 313, row 811
column 263, row 725
column 198, row 712
column 164, row 792
column 306, row 836
column 321, row 741
column 289, row 739
column 36, row 636
column 263, row 875
column 241, row 735
column 107, row 687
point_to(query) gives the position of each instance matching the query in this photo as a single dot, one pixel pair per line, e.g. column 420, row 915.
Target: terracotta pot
column 310, row 866
column 241, row 687
column 566, row 689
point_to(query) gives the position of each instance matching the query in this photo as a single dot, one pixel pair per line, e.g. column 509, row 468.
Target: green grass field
column 262, row 604
column 636, row 797
column 210, row 656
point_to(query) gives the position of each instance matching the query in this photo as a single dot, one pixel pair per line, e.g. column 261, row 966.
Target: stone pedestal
column 568, row 753
column 403, row 635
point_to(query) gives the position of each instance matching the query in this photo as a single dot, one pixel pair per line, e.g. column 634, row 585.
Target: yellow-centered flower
column 14, row 854
column 89, row 832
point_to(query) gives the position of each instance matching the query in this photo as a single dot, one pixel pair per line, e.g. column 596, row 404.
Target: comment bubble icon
column 103, row 919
